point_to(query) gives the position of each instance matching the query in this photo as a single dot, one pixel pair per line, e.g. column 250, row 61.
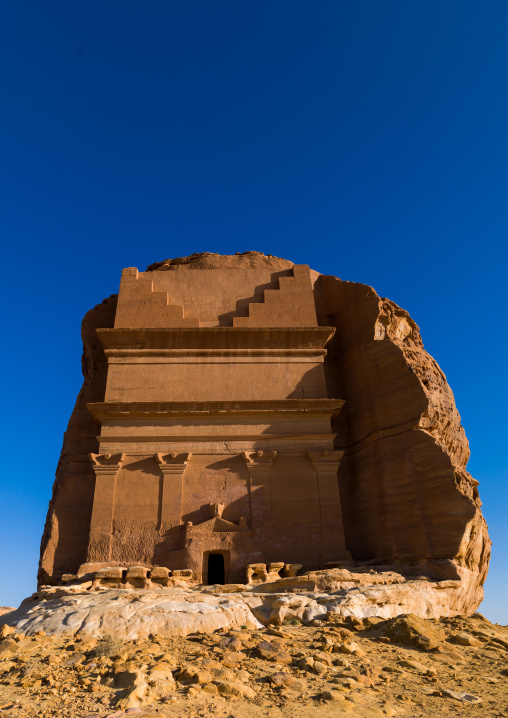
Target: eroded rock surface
column 131, row 614
column 406, row 493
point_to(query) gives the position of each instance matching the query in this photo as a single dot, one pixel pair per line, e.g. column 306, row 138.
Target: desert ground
column 404, row 666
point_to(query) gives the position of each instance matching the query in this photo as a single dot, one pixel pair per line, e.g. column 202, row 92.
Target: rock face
column 219, row 425
column 65, row 537
column 411, row 498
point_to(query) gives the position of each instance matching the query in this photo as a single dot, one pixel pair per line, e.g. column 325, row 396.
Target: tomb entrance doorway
column 216, row 573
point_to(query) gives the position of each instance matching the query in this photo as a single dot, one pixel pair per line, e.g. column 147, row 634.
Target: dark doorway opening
column 216, row 571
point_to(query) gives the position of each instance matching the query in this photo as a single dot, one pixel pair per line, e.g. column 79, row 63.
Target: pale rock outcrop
column 133, row 614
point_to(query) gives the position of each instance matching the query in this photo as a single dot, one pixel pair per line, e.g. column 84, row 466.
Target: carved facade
column 215, row 440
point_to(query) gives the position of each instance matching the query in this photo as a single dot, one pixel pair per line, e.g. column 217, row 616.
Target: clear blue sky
column 367, row 139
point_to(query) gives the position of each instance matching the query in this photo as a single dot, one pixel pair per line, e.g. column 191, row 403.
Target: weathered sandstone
column 92, row 609
column 213, row 421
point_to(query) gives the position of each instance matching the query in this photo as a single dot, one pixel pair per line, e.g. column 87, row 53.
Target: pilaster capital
column 259, row 459
column 326, row 460
column 173, row 463
column 107, row 463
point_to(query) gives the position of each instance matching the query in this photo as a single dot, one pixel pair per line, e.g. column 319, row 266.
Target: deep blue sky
column 367, row 139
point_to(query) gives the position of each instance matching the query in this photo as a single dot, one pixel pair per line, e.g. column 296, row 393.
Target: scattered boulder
column 285, row 680
column 135, row 689
column 337, row 696
column 194, row 675
column 235, row 690
column 231, row 659
column 306, row 664
column 6, row 630
column 323, row 657
column 466, row 639
column 161, row 673
column 351, row 648
column 459, row 696
column 233, row 643
column 7, row 647
column 272, row 651
column 411, row 630
column 419, row 667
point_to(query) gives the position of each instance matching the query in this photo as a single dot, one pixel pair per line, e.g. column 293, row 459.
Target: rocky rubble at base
column 403, row 666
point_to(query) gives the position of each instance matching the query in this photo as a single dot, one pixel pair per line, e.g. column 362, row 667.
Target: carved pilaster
column 259, row 464
column 172, row 466
column 106, row 467
column 326, row 464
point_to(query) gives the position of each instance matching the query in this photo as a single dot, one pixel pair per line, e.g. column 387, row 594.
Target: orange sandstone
column 241, row 410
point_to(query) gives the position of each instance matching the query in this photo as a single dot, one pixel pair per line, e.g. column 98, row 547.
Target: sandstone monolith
column 241, row 415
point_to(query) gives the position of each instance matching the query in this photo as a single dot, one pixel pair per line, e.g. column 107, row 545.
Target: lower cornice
column 207, row 409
